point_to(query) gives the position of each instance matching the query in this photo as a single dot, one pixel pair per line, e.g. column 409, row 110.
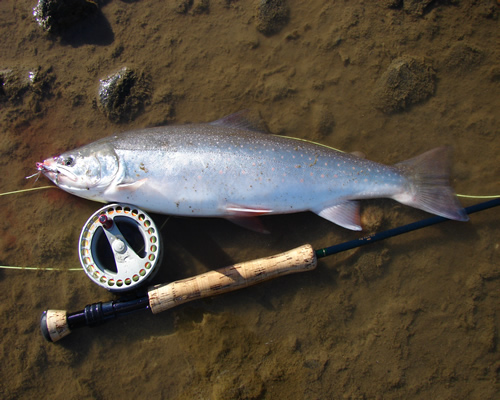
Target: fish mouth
column 54, row 172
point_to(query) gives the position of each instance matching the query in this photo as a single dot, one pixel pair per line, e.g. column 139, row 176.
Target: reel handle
column 231, row 278
column 56, row 324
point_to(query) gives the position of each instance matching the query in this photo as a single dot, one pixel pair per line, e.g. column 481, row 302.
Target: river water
column 411, row 317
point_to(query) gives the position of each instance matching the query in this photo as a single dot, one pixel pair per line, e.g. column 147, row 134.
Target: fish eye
column 68, row 161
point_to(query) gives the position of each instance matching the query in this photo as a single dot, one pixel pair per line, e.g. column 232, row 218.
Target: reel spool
column 120, row 247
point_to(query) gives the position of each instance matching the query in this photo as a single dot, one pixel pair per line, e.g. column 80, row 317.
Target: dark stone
column 16, row 83
column 272, row 16
column 406, row 81
column 123, row 95
column 55, row 16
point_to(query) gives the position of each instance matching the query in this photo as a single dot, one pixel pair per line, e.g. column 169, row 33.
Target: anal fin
column 345, row 214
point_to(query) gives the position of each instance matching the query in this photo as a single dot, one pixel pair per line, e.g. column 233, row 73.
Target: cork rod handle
column 231, row 278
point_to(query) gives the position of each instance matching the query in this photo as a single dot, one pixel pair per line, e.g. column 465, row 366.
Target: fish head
column 86, row 172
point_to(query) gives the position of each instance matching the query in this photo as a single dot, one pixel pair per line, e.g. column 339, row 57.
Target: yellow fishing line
column 478, row 197
column 28, row 190
column 39, row 268
column 310, row 141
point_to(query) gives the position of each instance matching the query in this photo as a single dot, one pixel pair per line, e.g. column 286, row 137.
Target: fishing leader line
column 28, row 190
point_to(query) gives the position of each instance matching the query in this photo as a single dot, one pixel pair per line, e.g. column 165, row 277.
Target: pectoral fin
column 132, row 186
column 344, row 214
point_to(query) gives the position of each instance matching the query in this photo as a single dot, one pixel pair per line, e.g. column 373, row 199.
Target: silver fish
column 224, row 169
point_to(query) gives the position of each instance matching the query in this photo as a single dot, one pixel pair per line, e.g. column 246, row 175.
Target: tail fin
column 429, row 186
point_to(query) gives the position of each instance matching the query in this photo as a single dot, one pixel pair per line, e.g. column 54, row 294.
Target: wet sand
column 414, row 317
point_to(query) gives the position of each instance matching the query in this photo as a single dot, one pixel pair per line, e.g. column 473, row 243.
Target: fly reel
column 120, row 247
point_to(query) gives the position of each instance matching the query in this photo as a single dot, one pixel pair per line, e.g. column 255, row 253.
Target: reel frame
column 130, row 269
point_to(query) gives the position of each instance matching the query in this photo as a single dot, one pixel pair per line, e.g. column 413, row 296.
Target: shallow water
column 411, row 317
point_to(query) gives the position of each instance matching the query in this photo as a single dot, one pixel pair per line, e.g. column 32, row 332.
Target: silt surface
column 413, row 317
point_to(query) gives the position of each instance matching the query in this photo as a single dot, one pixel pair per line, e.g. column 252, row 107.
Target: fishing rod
column 56, row 324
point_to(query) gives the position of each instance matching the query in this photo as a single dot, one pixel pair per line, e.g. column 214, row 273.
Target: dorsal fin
column 244, row 119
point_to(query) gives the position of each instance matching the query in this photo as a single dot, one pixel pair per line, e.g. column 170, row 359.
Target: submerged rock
column 19, row 83
column 122, row 95
column 406, row 81
column 56, row 15
column 15, row 82
column 23, row 91
column 272, row 16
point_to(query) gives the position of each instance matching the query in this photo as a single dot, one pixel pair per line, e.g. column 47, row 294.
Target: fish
column 228, row 169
